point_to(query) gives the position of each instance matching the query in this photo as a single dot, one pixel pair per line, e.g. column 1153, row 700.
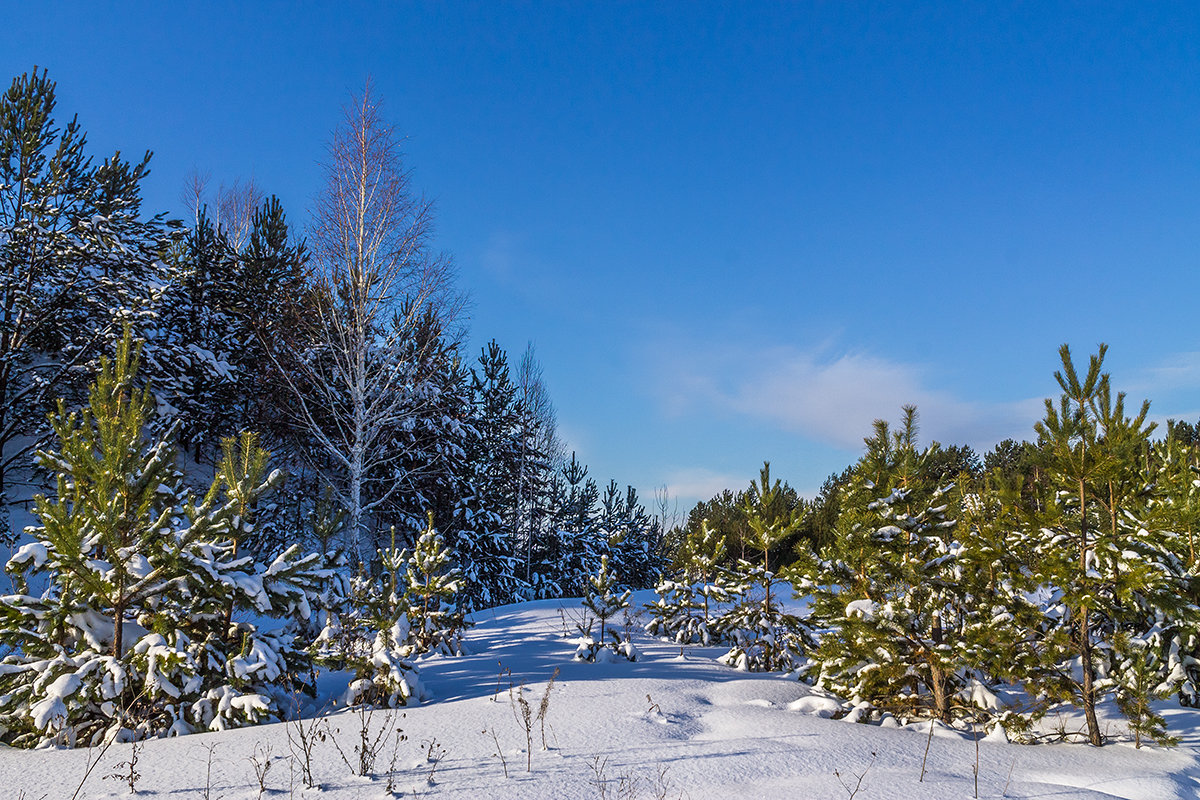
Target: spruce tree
column 602, row 602
column 574, row 552
column 494, row 459
column 198, row 391
column 77, row 262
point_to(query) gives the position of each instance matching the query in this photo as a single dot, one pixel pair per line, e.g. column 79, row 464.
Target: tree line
column 225, row 421
column 343, row 349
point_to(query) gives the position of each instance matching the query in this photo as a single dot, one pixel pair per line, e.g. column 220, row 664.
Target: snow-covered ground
column 667, row 726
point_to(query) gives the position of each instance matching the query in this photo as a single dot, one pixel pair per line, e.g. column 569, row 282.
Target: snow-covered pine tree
column 240, row 294
column 130, row 632
column 458, row 492
column 429, row 438
column 268, row 296
column 674, row 615
column 1139, row 683
column 634, row 537
column 572, row 554
column 764, row 637
column 686, row 610
column 538, row 453
column 449, row 470
column 602, row 602
column 997, row 605
column 494, row 460
column 373, row 635
column 1175, row 501
column 198, row 389
column 1112, row 576
column 325, row 523
column 1173, row 507
column 435, row 614
column 893, row 588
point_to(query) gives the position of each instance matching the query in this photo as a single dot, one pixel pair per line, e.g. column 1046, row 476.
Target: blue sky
column 734, row 232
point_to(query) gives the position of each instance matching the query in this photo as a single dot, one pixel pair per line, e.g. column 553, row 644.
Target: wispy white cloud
column 1171, row 386
column 572, row 438
column 698, row 483
column 1176, row 372
column 831, row 397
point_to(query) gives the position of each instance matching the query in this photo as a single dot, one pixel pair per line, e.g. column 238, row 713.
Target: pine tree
column 494, row 462
column 484, row 549
column 893, row 586
column 996, row 607
column 686, row 610
column 133, row 633
column 538, row 451
column 269, row 298
column 634, row 537
column 435, row 614
column 574, row 552
column 602, row 602
column 1115, row 579
column 1139, row 685
column 1175, row 503
column 764, row 637
column 198, row 391
column 373, row 636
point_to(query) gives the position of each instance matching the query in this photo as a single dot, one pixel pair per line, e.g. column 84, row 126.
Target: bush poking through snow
column 127, row 770
column 856, row 777
column 544, row 706
column 629, row 786
column 302, row 738
column 370, row 744
column 260, row 760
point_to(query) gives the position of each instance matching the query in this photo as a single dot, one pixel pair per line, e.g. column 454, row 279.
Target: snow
column 34, row 553
column 861, row 608
column 714, row 732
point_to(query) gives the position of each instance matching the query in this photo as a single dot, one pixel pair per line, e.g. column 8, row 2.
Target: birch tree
column 354, row 370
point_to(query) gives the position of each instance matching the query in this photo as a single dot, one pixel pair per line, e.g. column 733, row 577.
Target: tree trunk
column 118, row 629
column 937, row 684
column 937, row 675
column 1089, row 692
column 356, row 477
column 1085, row 630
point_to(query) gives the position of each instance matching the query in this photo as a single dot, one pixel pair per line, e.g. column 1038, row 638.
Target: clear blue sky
column 733, row 232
